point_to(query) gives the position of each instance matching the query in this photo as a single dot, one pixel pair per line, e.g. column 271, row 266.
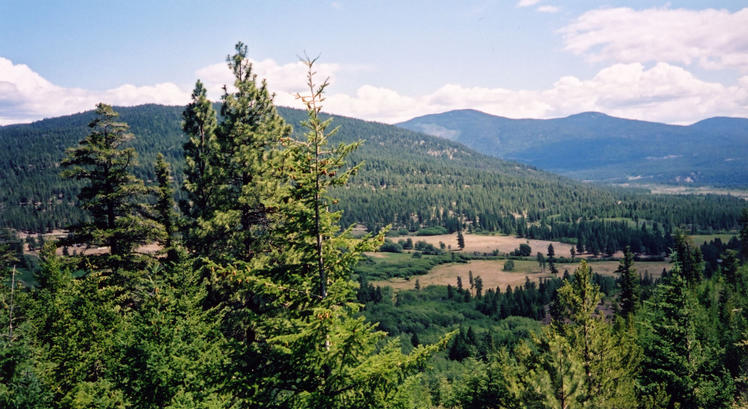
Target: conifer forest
column 238, row 254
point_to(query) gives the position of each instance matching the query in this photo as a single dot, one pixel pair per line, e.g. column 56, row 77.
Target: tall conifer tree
column 629, row 283
column 112, row 195
column 200, row 151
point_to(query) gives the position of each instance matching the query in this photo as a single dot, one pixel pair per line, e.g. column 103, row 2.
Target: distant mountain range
column 597, row 147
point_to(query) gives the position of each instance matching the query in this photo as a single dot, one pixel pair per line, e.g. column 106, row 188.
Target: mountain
column 407, row 179
column 597, row 147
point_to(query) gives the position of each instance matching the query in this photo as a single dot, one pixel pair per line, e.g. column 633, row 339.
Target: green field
column 699, row 239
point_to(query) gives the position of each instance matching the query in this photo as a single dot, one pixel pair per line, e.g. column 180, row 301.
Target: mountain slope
column 408, row 179
column 595, row 146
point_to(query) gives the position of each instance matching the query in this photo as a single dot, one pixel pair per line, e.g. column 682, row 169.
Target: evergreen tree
column 629, row 282
column 551, row 260
column 689, row 260
column 165, row 210
column 297, row 338
column 113, row 196
column 200, row 170
column 460, row 240
column 676, row 358
column 246, row 175
column 609, row 360
column 744, row 233
column 541, row 261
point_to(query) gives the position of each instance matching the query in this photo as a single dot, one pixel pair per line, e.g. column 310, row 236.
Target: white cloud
column 663, row 93
column 714, row 39
column 26, row 96
column 548, row 9
column 527, row 3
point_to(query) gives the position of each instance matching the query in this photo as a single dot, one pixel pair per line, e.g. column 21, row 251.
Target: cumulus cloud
column 662, row 92
column 284, row 79
column 26, row 96
column 713, row 39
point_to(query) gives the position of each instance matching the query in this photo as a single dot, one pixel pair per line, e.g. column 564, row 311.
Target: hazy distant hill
column 595, row 146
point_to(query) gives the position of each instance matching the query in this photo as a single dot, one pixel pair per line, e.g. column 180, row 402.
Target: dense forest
column 407, row 179
column 252, row 300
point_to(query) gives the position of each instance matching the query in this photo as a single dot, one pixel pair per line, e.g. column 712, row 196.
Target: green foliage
column 508, row 265
column 524, row 250
column 681, row 357
column 234, row 180
column 629, row 282
column 112, row 195
column 261, row 310
column 432, row 231
column 166, row 214
column 609, row 359
column 402, row 265
column 551, row 259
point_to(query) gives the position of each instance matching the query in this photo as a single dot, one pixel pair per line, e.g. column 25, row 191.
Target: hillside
column 598, row 147
column 408, row 179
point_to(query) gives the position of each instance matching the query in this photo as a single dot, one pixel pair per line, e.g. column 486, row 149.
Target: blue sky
column 675, row 62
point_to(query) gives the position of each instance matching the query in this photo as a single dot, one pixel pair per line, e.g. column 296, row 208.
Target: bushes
column 432, row 231
column 390, row 246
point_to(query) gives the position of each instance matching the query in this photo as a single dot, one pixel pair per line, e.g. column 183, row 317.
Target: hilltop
column 597, row 147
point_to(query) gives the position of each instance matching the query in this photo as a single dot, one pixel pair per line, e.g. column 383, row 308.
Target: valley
column 276, row 260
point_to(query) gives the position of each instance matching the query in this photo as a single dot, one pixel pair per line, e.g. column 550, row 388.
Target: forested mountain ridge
column 408, row 179
column 595, row 146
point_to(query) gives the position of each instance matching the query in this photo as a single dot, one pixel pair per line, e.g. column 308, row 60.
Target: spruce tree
column 744, row 233
column 297, row 339
column 551, row 260
column 629, row 282
column 114, row 198
column 165, row 210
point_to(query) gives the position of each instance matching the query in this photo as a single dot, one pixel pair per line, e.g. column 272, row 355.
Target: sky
column 675, row 62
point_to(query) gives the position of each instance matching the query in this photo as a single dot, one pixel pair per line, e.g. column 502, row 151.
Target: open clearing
column 487, row 244
column 699, row 239
column 492, row 274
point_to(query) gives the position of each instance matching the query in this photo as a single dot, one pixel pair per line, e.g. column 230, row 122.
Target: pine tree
column 551, row 260
column 460, row 240
column 609, row 360
column 297, row 337
column 541, row 261
column 246, row 175
column 200, row 172
column 678, row 358
column 688, row 258
column 165, row 210
column 744, row 233
column 113, row 196
column 629, row 283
